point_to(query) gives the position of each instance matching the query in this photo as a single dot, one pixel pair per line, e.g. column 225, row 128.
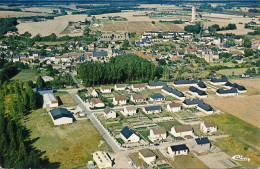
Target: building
column 208, row 127
column 157, row 134
column 192, row 103
column 119, row 87
column 109, row 113
column 147, row 155
column 216, row 81
column 178, row 150
column 193, row 14
column 245, row 75
column 92, row 92
column 197, row 92
column 157, row 97
column 119, row 100
column 156, row 85
column 138, row 98
column 201, row 85
column 185, row 83
column 61, row 116
column 50, row 101
column 201, row 144
column 182, row 131
column 174, row 107
column 102, row 159
column 129, row 111
column 106, row 89
column 129, row 136
column 240, row 88
column 138, row 87
column 206, row 108
column 97, row 102
column 152, row 109
column 44, row 90
column 173, row 92
column 229, row 92
column 47, row 78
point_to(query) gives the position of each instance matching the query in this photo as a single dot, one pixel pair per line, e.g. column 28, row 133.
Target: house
column 61, row 116
column 182, row 131
column 192, row 103
column 119, row 100
column 245, row 75
column 206, row 108
column 216, row 81
column 144, row 42
column 147, row 155
column 102, row 159
column 128, row 135
column 240, row 88
column 120, row 87
column 152, row 109
column 47, row 78
column 97, row 102
column 157, row 134
column 229, row 92
column 99, row 54
column 109, row 113
column 197, row 92
column 44, row 90
column 92, row 92
column 156, row 85
column 181, row 149
column 50, row 101
column 157, row 97
column 208, row 127
column 138, row 98
column 201, row 144
column 106, row 89
column 173, row 107
column 201, row 85
column 138, row 87
column 173, row 92
column 185, row 83
column 129, row 111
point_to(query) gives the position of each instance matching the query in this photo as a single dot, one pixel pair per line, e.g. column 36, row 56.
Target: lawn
column 65, row 100
column 138, row 160
column 71, row 145
column 229, row 72
column 188, row 161
column 26, row 75
column 168, row 125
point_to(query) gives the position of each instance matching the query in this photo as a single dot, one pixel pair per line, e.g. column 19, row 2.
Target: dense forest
column 120, row 69
column 7, row 24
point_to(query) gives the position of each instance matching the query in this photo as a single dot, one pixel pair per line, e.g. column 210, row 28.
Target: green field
column 70, row 145
column 188, row 161
column 229, row 72
column 168, row 125
column 26, row 75
column 65, row 100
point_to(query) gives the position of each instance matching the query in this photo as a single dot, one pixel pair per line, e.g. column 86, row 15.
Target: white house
column 156, row 85
column 152, row 109
column 157, row 134
column 138, row 87
column 92, row 92
column 157, row 97
column 178, row 150
column 61, row 116
column 109, row 113
column 174, row 107
column 47, row 78
column 119, row 87
column 50, row 101
column 119, row 100
column 105, row 89
column 226, row 93
column 147, row 155
column 182, row 131
column 138, row 98
column 208, row 127
column 129, row 136
column 129, row 111
column 97, row 102
column 102, row 159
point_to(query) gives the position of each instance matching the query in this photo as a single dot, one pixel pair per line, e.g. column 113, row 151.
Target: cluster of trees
column 193, row 28
column 9, row 70
column 59, row 82
column 120, row 69
column 174, row 22
column 125, row 45
column 254, row 10
column 7, row 24
column 216, row 27
column 256, row 32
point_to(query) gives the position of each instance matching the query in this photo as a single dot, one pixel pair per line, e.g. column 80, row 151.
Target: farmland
column 4, row 14
column 252, row 85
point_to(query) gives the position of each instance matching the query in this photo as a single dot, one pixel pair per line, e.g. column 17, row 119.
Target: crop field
column 69, row 145
column 4, row 14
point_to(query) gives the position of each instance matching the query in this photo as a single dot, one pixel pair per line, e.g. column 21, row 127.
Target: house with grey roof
column 174, row 107
column 208, row 127
column 61, row 116
column 129, row 135
column 157, row 97
column 185, row 83
column 227, row 92
column 175, row 150
column 197, row 92
column 201, row 144
column 147, row 155
column 157, row 134
column 152, row 109
column 156, row 85
column 201, row 85
column 173, row 92
column 109, row 113
column 216, row 81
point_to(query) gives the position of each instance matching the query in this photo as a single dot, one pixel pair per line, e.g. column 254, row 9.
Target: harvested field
column 138, row 26
column 228, row 72
column 4, row 14
column 244, row 107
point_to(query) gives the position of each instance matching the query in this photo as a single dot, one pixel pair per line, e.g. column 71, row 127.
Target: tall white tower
column 193, row 13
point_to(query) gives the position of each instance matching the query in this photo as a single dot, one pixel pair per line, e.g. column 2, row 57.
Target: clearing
column 26, row 75
column 70, row 145
column 65, row 100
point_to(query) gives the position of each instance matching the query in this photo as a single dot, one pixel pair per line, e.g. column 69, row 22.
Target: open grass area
column 26, row 75
column 188, row 161
column 229, row 72
column 168, row 125
column 71, row 145
column 65, row 100
column 138, row 160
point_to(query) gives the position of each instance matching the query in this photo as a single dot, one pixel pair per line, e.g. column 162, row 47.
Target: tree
column 160, row 35
column 248, row 52
column 153, row 22
column 247, row 42
column 39, row 82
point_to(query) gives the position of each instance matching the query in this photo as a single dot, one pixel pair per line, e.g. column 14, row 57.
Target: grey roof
column 196, row 90
column 173, row 91
column 151, row 108
column 235, row 85
column 180, row 82
column 99, row 53
column 179, row 147
column 107, row 110
column 205, row 106
column 215, row 80
column 223, row 91
column 157, row 84
column 59, row 113
column 157, row 96
column 202, row 84
column 192, row 102
column 203, row 140
column 126, row 132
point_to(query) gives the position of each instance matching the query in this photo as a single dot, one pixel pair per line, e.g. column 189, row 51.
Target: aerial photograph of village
column 157, row 84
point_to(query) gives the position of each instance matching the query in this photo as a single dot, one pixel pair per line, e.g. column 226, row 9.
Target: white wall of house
column 63, row 120
column 132, row 139
column 110, row 115
column 204, row 111
column 205, row 129
column 94, row 93
column 175, row 153
column 128, row 112
column 180, row 134
column 151, row 111
column 119, row 88
column 157, row 137
column 157, row 99
column 227, row 94
column 98, row 105
column 173, row 109
column 148, row 160
column 173, row 95
column 119, row 102
column 105, row 90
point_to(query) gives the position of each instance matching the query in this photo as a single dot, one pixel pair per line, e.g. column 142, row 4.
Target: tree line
column 7, row 24
column 120, row 69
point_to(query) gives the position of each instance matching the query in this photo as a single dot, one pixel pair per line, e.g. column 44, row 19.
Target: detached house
column 178, row 150
column 197, row 92
column 97, row 102
column 157, row 97
column 138, row 98
column 119, row 87
column 138, row 87
column 106, row 89
column 218, row 81
column 240, row 88
column 129, row 136
column 206, row 108
column 119, row 100
column 50, row 101
column 157, row 134
column 185, row 83
column 208, row 127
column 152, row 109
column 201, row 85
column 182, row 130
column 201, row 144
column 174, row 107
column 229, row 92
column 61, row 116
column 129, row 111
column 109, row 113
column 92, row 92
column 173, row 92
column 156, row 85
column 147, row 155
